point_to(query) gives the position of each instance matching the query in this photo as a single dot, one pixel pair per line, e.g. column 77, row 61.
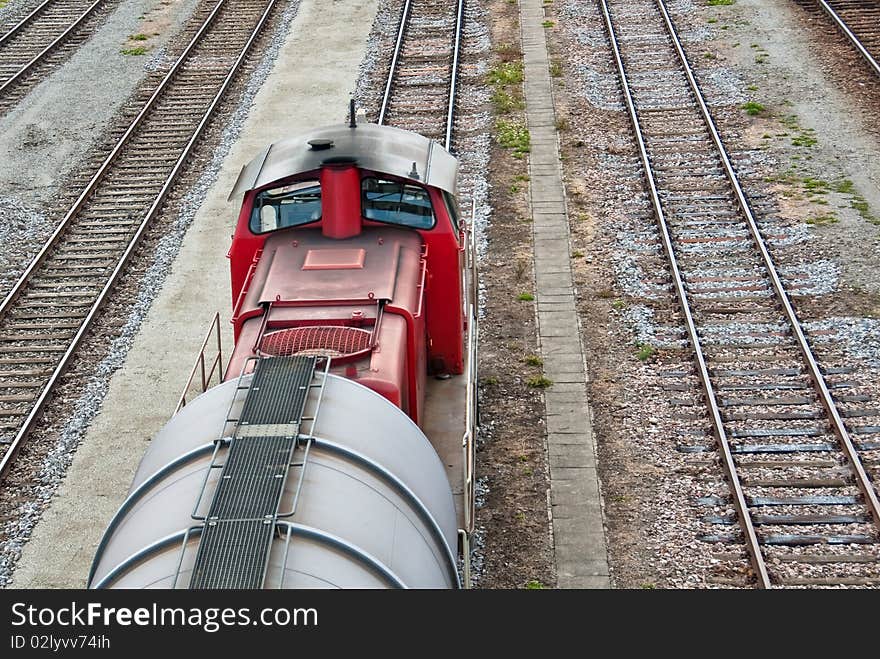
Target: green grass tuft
column 505, row 102
column 816, row 185
column 822, row 220
column 753, row 108
column 525, row 297
column 513, row 135
column 861, row 205
column 805, row 139
column 844, row 186
column 539, row 382
column 506, row 73
column 140, row 50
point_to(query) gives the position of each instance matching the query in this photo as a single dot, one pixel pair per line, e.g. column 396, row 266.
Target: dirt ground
column 512, row 519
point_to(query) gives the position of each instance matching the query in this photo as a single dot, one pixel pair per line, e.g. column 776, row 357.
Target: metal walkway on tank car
column 237, row 531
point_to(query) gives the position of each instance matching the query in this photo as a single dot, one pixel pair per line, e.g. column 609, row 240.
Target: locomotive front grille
column 332, row 341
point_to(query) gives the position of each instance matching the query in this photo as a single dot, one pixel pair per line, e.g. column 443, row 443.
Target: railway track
column 421, row 86
column 859, row 22
column 52, row 306
column 45, row 37
column 797, row 460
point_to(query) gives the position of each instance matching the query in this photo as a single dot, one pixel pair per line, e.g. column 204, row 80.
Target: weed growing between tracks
column 511, row 461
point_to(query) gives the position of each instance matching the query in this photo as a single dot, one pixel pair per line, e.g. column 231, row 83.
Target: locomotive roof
column 380, row 148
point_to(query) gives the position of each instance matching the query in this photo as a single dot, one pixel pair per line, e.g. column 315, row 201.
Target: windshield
column 396, row 203
column 287, row 206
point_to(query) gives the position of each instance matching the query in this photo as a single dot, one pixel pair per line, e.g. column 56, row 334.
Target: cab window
column 288, row 206
column 452, row 209
column 396, row 202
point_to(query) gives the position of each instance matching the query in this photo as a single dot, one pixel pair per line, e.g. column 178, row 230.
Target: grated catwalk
column 235, row 543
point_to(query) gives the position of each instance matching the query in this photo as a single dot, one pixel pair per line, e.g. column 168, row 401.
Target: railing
column 200, row 364
column 471, row 421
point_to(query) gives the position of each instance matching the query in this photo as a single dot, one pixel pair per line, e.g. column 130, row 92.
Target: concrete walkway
column 143, row 393
column 578, row 532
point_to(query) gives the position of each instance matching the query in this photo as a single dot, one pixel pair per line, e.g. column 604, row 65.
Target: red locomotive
column 358, row 251
column 347, row 413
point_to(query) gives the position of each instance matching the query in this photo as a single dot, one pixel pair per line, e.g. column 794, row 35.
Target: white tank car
column 374, row 507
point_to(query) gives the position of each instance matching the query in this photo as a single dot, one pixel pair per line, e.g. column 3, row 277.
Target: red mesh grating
column 332, row 341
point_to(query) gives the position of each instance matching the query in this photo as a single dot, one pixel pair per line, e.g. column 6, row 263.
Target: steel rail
column 395, row 57
column 841, row 24
column 108, row 161
column 31, row 419
column 739, row 501
column 52, row 46
column 450, row 115
column 840, row 431
column 24, row 21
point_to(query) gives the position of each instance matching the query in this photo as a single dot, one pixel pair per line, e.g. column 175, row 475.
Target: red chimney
column 340, row 201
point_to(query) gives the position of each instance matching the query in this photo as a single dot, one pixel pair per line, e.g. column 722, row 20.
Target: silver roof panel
column 379, row 148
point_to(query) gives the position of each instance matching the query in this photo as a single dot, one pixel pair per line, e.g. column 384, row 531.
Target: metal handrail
column 16, row 444
column 63, row 36
column 851, row 36
column 467, row 440
column 216, row 363
column 225, row 438
column 739, row 501
column 307, row 438
column 471, row 421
